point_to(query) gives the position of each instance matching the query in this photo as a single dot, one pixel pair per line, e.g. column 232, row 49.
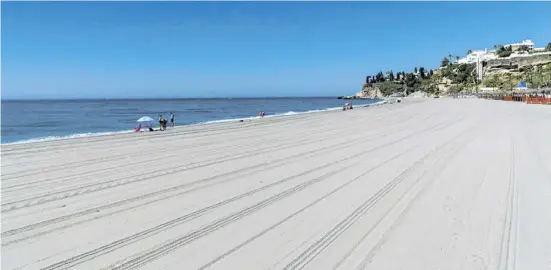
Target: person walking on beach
column 171, row 119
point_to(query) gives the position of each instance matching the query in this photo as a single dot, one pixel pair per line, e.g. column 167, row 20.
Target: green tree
column 411, row 82
column 537, row 77
column 380, row 77
column 463, row 74
column 389, row 88
column 422, row 73
column 504, row 53
column 548, row 47
column 391, row 76
column 415, row 70
column 429, row 86
column 368, row 79
column 445, row 62
column 491, row 81
column 469, row 52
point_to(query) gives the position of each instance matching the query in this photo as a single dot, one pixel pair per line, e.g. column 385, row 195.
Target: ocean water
column 26, row 121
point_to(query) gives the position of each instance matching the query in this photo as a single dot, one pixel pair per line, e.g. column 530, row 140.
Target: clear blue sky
column 233, row 49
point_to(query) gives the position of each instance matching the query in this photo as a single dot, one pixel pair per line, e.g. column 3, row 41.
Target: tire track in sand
column 402, row 212
column 94, row 187
column 162, row 250
column 507, row 255
column 238, row 174
column 317, row 247
column 234, row 249
column 273, row 164
column 95, row 161
column 63, row 194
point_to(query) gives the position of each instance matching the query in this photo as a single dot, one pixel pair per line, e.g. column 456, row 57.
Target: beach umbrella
column 145, row 119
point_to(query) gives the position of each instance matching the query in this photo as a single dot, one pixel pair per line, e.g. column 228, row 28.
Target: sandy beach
column 422, row 184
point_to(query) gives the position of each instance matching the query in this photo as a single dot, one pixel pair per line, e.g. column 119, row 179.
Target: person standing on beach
column 171, row 119
column 161, row 121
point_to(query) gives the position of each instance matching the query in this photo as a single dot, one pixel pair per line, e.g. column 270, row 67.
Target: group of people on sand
column 163, row 121
column 347, row 106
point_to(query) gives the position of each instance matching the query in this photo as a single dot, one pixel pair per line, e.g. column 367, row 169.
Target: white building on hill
column 483, row 55
column 516, row 46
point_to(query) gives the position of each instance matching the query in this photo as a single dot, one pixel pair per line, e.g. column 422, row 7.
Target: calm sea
column 55, row 119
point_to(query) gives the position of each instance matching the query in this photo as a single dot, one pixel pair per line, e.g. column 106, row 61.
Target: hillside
column 504, row 74
column 499, row 74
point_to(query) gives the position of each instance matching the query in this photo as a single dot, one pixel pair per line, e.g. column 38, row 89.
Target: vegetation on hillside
column 504, row 51
column 389, row 83
column 453, row 77
column 534, row 76
column 459, row 76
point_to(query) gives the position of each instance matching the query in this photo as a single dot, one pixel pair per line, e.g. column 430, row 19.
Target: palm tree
column 524, row 48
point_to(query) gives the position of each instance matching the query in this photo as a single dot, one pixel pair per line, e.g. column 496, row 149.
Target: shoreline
column 212, row 122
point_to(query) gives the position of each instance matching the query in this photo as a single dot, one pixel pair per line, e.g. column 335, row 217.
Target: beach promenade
column 422, row 184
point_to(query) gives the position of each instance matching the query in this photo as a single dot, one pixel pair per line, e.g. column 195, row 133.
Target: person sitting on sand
column 162, row 122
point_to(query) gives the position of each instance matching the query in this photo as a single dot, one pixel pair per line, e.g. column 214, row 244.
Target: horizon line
column 157, row 98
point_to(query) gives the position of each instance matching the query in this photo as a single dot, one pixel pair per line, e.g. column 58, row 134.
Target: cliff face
column 516, row 64
column 370, row 92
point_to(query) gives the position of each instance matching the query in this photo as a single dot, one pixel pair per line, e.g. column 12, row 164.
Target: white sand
column 423, row 184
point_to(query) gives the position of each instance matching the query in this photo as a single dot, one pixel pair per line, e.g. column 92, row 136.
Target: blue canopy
column 521, row 84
